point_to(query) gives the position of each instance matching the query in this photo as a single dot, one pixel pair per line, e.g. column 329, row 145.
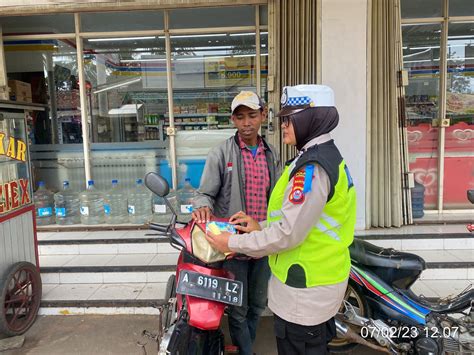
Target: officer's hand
column 244, row 223
column 219, row 242
column 202, row 214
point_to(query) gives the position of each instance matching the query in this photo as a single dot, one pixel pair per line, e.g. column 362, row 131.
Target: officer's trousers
column 295, row 339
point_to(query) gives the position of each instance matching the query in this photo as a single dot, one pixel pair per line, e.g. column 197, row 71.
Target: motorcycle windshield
column 202, row 249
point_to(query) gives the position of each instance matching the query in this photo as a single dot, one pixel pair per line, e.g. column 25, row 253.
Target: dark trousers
column 295, row 339
column 243, row 321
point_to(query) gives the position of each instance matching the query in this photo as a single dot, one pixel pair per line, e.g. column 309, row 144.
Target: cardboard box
column 20, row 91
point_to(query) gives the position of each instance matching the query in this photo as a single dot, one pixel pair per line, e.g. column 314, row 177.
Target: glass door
column 421, row 54
column 459, row 136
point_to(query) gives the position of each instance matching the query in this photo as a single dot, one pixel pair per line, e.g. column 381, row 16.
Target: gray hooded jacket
column 222, row 187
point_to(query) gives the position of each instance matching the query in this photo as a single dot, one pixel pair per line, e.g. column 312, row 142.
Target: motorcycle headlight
column 202, row 249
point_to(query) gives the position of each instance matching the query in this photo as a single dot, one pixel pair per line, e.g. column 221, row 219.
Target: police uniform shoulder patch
column 296, row 194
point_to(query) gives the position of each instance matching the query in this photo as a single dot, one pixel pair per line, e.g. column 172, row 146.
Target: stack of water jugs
column 114, row 206
column 418, row 200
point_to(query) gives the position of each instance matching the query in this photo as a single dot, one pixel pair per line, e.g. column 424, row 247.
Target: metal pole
column 257, row 50
column 368, row 120
column 442, row 107
column 4, row 95
column 83, row 96
column 171, row 131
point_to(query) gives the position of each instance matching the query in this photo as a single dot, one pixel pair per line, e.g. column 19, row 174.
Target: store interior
column 126, row 90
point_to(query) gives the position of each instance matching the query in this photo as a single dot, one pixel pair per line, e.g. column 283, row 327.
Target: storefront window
column 213, row 17
column 421, row 55
column 461, row 8
column 122, row 21
column 45, row 72
column 459, row 142
column 263, row 15
column 38, row 24
column 208, row 71
column 127, row 77
column 128, row 101
column 126, row 89
column 421, row 8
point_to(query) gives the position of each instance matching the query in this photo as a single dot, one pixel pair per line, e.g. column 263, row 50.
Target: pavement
column 116, row 334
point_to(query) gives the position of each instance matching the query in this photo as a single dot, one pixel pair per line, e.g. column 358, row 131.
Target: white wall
column 344, row 68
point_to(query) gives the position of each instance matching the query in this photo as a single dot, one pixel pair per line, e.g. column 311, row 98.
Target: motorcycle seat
column 368, row 254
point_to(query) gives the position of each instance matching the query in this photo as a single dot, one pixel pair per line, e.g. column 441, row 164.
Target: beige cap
column 247, row 98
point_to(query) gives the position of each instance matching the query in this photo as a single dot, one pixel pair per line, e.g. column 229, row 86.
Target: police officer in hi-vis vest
column 309, row 227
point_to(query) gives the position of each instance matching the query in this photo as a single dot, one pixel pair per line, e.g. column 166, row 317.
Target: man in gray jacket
column 239, row 175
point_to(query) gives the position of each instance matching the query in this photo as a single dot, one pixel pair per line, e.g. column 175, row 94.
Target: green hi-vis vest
column 323, row 258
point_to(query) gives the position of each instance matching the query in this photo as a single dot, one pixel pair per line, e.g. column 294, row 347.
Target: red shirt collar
column 242, row 144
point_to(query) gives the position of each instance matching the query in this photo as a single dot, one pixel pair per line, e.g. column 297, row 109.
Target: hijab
column 313, row 122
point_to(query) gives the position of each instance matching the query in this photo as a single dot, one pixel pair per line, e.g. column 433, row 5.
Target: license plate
column 210, row 287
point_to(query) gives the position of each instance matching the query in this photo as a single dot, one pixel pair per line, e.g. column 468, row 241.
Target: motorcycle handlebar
column 159, row 227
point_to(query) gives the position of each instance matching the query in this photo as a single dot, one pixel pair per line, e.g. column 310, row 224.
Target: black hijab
column 313, row 122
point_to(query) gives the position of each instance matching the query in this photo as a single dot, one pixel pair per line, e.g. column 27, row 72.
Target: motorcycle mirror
column 157, row 184
column 470, row 196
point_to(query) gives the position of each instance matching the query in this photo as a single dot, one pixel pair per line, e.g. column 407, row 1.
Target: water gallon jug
column 161, row 212
column 92, row 205
column 185, row 201
column 418, row 200
column 139, row 204
column 115, row 204
column 44, row 205
column 66, row 206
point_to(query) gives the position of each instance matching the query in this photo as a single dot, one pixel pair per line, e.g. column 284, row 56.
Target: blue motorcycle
column 381, row 312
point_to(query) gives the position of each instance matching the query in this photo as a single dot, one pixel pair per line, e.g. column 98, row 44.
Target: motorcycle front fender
column 203, row 314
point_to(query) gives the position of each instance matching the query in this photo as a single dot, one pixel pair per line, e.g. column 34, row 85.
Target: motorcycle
column 381, row 312
column 199, row 292
column 379, row 309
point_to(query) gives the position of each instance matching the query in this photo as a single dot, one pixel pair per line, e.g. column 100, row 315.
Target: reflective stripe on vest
column 329, row 230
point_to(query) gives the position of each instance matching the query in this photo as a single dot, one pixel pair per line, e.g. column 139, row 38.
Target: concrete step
column 125, row 272
column 113, row 298
column 143, row 241
column 145, row 244
column 143, row 298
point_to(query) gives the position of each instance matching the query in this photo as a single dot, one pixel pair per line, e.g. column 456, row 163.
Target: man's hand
column 244, row 223
column 202, row 214
column 219, row 242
